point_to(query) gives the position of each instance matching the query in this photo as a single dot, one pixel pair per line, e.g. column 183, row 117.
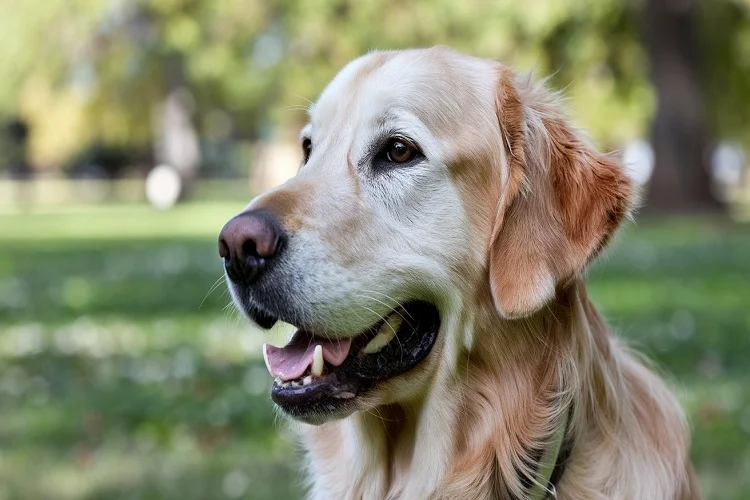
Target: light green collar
column 542, row 489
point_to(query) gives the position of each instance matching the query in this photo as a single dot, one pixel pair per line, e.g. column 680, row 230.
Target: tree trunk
column 177, row 140
column 681, row 180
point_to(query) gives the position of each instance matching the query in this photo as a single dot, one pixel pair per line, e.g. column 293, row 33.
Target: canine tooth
column 317, row 364
column 386, row 333
column 265, row 356
column 307, row 380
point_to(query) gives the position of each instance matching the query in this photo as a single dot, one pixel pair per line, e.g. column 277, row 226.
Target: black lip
column 263, row 318
column 265, row 304
column 335, row 391
column 328, row 395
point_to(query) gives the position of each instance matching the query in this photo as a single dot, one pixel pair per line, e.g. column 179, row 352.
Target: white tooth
column 386, row 333
column 265, row 357
column 317, row 364
column 277, row 380
column 307, row 380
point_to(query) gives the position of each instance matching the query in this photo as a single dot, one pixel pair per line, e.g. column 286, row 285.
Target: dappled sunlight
column 221, row 339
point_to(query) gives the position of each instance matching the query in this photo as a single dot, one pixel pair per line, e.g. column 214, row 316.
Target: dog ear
column 562, row 200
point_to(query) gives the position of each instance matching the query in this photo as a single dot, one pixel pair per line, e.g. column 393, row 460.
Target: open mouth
column 316, row 377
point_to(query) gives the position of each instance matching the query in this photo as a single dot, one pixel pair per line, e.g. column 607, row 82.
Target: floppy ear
column 562, row 201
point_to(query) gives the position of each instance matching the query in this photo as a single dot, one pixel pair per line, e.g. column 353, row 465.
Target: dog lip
column 260, row 316
column 315, row 402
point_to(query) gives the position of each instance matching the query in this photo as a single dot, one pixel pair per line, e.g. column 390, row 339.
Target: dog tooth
column 386, row 333
column 317, row 364
column 265, row 356
column 307, row 380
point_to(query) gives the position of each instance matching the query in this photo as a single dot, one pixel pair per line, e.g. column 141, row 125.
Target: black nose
column 248, row 243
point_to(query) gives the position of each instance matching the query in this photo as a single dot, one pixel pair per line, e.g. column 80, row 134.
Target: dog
column 430, row 252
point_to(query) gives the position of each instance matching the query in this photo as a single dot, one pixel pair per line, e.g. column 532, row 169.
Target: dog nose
column 248, row 243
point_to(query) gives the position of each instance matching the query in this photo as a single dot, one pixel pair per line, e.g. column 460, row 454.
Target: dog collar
column 543, row 486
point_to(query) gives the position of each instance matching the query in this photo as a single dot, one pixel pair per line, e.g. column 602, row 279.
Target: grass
column 123, row 375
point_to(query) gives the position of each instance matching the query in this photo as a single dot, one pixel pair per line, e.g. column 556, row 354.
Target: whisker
column 395, row 309
column 308, row 101
column 211, row 289
column 396, row 302
column 293, row 107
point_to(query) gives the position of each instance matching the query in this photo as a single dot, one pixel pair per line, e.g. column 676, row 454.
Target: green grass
column 122, row 375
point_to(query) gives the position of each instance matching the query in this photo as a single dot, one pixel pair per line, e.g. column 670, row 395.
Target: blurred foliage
column 725, row 43
column 87, row 70
column 123, row 374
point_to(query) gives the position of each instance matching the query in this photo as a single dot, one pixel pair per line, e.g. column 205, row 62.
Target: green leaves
column 255, row 59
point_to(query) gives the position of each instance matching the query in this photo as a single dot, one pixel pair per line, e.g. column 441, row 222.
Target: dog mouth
column 316, row 377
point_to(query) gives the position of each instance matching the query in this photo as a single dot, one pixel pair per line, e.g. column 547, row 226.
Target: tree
column 89, row 71
column 681, row 180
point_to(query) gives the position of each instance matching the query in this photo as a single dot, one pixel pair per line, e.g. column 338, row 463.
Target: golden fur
column 521, row 343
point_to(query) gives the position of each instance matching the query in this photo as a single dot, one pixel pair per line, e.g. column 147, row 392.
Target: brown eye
column 399, row 151
column 306, row 149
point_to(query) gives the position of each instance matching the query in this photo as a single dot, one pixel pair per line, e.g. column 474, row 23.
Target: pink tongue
column 291, row 361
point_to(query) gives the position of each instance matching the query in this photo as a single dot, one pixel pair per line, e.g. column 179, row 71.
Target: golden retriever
column 430, row 252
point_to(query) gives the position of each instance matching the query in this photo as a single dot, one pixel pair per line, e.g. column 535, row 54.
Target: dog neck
column 521, row 386
column 488, row 422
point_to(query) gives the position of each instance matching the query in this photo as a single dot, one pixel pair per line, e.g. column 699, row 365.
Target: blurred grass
column 121, row 376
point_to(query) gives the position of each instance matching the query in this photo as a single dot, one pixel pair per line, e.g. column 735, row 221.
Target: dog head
column 434, row 187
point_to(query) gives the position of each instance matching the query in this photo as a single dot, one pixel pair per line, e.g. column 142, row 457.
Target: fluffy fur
column 495, row 227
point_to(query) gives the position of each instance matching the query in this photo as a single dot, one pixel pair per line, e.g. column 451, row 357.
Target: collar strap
column 542, row 487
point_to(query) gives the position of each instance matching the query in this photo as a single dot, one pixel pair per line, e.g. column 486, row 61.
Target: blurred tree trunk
column 681, row 179
column 177, row 138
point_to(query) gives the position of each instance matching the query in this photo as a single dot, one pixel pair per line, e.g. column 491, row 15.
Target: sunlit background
column 130, row 131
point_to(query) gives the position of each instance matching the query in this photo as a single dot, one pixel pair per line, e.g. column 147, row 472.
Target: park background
column 131, row 130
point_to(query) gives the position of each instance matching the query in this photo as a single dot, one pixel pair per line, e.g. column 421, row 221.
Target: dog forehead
column 437, row 85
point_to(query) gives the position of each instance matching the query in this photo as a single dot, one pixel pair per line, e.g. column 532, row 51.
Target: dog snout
column 249, row 243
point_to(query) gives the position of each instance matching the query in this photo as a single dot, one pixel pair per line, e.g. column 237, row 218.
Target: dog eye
column 400, row 151
column 306, row 149
column 396, row 152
